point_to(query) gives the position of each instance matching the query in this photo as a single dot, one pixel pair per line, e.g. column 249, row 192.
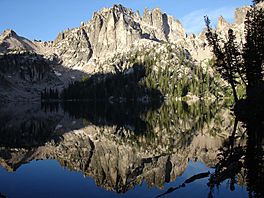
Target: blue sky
column 44, row 19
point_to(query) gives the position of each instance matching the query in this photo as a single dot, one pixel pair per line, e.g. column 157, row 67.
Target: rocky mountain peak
column 240, row 14
column 116, row 10
column 10, row 41
column 261, row 4
column 161, row 26
column 222, row 25
column 9, row 33
column 222, row 22
column 113, row 30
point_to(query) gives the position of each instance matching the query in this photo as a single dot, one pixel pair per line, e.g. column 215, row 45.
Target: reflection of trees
column 229, row 164
column 240, row 158
column 181, row 122
column 235, row 158
column 171, row 126
column 254, row 161
column 125, row 116
column 26, row 126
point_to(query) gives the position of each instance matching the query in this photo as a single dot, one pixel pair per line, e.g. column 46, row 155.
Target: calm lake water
column 98, row 150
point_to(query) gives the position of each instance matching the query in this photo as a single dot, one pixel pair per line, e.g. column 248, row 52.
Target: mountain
column 115, row 29
column 112, row 41
column 10, row 41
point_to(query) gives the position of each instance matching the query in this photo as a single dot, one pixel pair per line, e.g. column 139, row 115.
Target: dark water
column 98, row 150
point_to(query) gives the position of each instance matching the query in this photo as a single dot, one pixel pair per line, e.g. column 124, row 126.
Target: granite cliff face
column 76, row 52
column 115, row 29
column 160, row 26
column 73, row 47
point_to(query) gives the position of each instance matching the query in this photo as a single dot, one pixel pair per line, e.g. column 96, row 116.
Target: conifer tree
column 227, row 56
column 248, row 64
column 253, row 52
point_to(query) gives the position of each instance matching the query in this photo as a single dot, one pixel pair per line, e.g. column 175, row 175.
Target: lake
column 82, row 149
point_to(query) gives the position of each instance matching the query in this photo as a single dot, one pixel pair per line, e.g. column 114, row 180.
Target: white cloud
column 194, row 21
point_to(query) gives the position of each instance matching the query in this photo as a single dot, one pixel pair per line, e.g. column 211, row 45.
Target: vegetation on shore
column 241, row 66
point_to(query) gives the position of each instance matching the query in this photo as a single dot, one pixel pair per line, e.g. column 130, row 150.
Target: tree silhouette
column 253, row 52
column 51, row 94
column 228, row 58
column 248, row 64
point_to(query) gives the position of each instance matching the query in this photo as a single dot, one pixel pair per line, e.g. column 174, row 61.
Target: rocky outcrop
column 73, row 47
column 109, row 31
column 240, row 14
column 198, row 45
column 10, row 41
column 160, row 26
column 118, row 30
column 222, row 25
column 115, row 30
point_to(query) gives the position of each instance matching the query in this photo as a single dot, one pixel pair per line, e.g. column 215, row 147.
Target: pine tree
column 253, row 52
column 227, row 57
column 247, row 65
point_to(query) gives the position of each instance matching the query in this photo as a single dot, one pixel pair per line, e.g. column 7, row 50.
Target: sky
column 44, row 19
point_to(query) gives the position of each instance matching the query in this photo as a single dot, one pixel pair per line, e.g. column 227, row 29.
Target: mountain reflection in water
column 134, row 150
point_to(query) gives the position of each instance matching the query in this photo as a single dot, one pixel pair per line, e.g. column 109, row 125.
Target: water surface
column 107, row 150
